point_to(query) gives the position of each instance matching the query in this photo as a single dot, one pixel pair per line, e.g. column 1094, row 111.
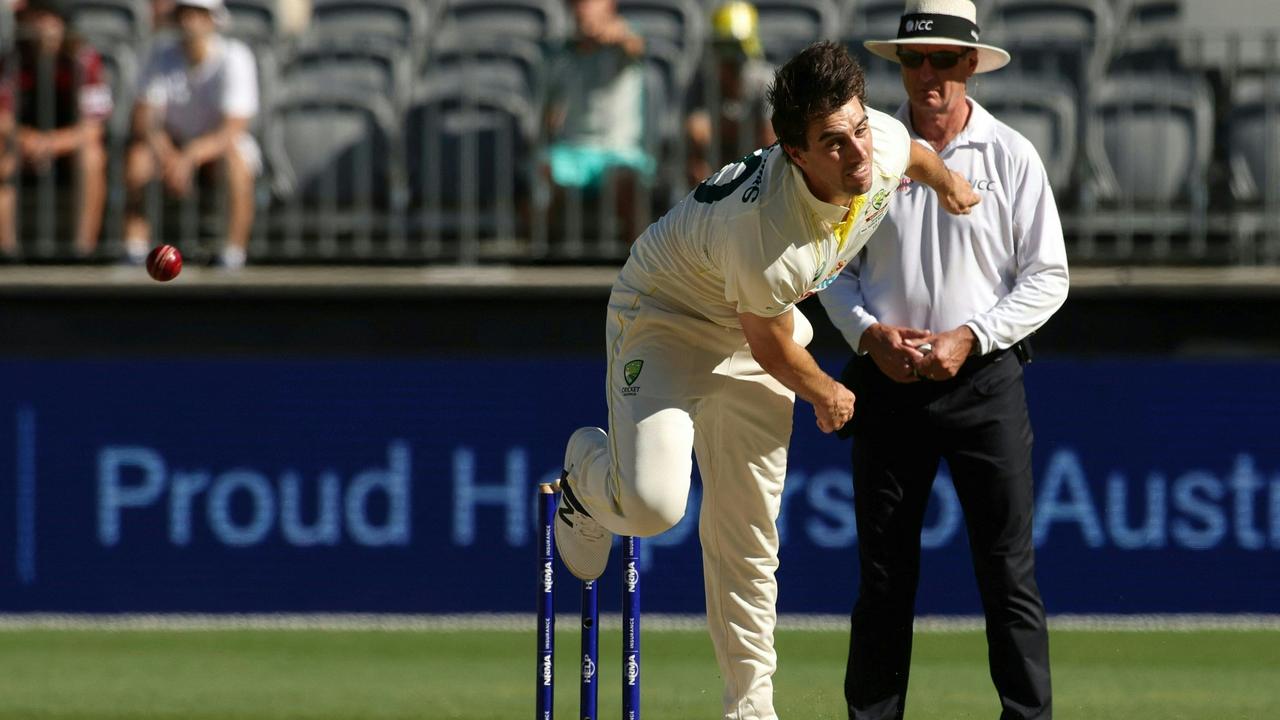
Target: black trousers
column 978, row 423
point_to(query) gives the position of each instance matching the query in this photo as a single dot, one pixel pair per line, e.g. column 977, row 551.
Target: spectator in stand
column 737, row 97
column 595, row 111
column 162, row 12
column 53, row 103
column 197, row 98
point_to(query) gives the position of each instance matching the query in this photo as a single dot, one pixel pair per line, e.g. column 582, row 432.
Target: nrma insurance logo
column 633, row 669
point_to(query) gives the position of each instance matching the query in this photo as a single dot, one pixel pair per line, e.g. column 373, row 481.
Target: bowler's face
column 837, row 163
column 931, row 89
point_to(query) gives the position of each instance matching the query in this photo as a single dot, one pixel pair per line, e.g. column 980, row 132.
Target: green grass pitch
column 483, row 675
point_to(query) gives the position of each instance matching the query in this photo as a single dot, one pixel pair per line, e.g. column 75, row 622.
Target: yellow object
column 738, row 22
column 842, row 228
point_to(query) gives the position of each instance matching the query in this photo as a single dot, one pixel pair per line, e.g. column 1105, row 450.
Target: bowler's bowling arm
column 954, row 193
column 774, row 347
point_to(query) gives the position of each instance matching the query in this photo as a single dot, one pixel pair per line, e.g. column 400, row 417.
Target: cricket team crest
column 879, row 206
column 630, row 373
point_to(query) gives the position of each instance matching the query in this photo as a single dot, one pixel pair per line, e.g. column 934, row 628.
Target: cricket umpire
column 939, row 308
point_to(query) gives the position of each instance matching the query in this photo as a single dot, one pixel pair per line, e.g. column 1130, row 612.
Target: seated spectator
column 595, row 110
column 52, row 110
column 737, row 99
column 197, row 97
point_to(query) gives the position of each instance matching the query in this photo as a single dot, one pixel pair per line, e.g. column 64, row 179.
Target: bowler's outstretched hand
column 959, row 196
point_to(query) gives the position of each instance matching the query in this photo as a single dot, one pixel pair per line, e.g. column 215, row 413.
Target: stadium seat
column 336, row 168
column 1148, row 37
column 120, row 65
column 402, row 22
column 513, row 64
column 665, row 90
column 6, row 25
column 1149, row 143
column 1043, row 112
column 468, row 149
column 1253, row 153
column 543, row 21
column 787, row 26
column 256, row 22
column 1134, row 114
column 870, row 19
column 349, row 65
column 104, row 22
column 1253, row 141
column 676, row 29
column 1065, row 39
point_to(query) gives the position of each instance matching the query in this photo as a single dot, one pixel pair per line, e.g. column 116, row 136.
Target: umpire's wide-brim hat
column 940, row 22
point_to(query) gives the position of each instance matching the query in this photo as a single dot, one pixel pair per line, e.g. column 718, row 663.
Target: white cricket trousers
column 675, row 384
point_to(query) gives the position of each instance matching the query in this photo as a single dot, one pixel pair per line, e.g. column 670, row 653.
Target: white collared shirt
column 194, row 101
column 754, row 239
column 1001, row 270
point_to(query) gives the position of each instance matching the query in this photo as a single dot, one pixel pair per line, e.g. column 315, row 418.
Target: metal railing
column 1171, row 144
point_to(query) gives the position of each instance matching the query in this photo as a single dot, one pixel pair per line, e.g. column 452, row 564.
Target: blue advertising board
column 408, row 486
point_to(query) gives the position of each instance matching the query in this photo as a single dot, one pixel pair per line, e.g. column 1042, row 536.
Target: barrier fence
column 1162, row 144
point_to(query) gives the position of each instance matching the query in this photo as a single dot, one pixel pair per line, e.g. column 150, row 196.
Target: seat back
column 542, row 21
column 787, row 26
column 1150, row 138
column 513, row 64
column 1253, row 141
column 1043, row 112
column 256, row 22
column 674, row 29
column 333, row 148
column 349, row 66
column 401, row 22
column 469, row 155
column 105, row 22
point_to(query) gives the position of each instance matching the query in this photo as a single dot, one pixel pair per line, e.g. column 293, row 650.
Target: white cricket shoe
column 583, row 544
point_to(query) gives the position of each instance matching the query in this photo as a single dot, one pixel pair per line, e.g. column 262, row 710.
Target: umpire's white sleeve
column 1042, row 280
column 846, row 306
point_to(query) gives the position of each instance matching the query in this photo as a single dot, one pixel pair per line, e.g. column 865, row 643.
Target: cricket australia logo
column 878, row 206
column 631, row 373
column 588, row 668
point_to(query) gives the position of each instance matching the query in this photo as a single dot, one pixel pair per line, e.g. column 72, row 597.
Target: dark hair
column 813, row 84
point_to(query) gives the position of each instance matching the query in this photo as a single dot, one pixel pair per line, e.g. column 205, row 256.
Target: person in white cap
column 938, row 309
column 197, row 97
column 706, row 351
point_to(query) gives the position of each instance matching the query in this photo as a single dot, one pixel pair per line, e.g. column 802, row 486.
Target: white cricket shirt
column 1001, row 270
column 193, row 101
column 752, row 238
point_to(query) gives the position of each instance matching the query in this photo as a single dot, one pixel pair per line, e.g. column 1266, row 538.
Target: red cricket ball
column 164, row 263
